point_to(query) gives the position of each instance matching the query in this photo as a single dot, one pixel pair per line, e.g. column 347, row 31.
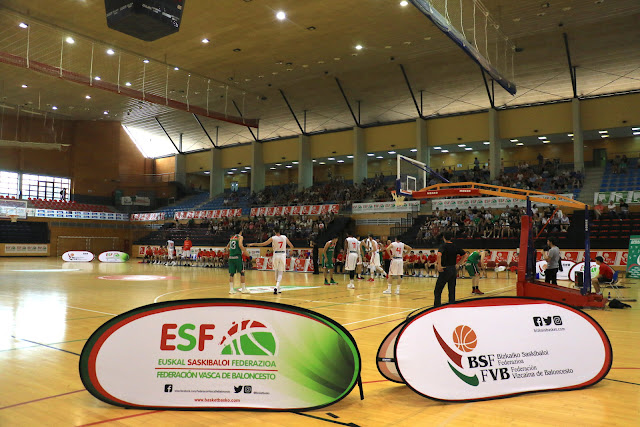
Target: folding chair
column 613, row 283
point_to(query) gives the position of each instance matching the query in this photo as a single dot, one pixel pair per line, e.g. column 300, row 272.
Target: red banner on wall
column 295, row 210
column 219, row 213
column 152, row 216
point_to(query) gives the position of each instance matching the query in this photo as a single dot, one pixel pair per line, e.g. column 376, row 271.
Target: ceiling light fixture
column 127, row 84
column 314, row 160
column 243, row 171
column 545, row 142
column 54, row 108
column 370, row 154
column 520, row 143
column 105, row 112
column 349, row 157
column 358, row 47
column 295, row 163
column 635, row 128
column 404, row 3
column 379, row 157
column 542, row 137
column 513, row 140
column 331, row 158
column 23, row 25
column 278, row 164
column 437, row 148
column 96, row 78
column 234, row 169
column 486, row 143
column 176, row 68
column 603, row 131
column 146, row 61
column 569, row 134
column 468, row 149
column 444, row 151
column 289, row 166
column 636, row 133
column 205, row 40
column 462, row 145
column 281, row 16
column 272, row 169
column 110, row 52
column 340, row 161
column 24, row 86
column 604, row 136
column 70, row 40
column 391, row 152
column 322, row 163
column 88, row 96
column 413, row 150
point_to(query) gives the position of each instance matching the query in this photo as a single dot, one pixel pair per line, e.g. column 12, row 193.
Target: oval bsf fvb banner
column 220, row 354
column 77, row 256
column 499, row 347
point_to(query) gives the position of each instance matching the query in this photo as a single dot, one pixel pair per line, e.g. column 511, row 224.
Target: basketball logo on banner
column 464, row 338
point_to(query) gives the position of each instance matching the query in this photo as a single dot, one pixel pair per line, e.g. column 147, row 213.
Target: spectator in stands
column 613, row 209
column 564, row 224
column 624, row 209
column 605, row 275
column 598, row 209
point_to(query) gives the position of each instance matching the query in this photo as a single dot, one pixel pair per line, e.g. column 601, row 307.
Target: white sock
column 389, row 286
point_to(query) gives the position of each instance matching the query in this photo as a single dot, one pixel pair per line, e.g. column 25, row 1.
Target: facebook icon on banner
column 168, row 388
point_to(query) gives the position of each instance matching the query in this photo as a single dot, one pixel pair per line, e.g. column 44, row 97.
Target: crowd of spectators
column 336, row 190
column 299, row 227
column 546, row 176
column 615, row 211
column 482, row 223
column 620, row 165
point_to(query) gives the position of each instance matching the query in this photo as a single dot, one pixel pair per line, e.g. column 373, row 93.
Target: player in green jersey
column 327, row 260
column 236, row 249
column 473, row 268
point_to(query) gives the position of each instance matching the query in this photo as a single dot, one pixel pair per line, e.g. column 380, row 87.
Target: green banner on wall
column 633, row 259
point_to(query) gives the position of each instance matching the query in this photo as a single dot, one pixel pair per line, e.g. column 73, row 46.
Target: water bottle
column 609, row 295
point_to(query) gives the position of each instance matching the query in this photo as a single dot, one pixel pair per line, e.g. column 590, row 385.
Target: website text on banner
column 219, row 213
column 482, row 202
column 381, row 207
column 53, row 213
column 295, row 210
column 617, row 197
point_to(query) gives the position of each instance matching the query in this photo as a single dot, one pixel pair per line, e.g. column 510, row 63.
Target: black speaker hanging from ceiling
column 146, row 20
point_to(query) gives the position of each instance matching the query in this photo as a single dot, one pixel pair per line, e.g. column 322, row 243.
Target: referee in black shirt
column 447, row 269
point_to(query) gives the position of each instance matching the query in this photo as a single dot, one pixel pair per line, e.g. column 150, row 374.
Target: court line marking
column 42, row 398
column 377, row 324
column 182, row 290
column 379, row 317
column 45, row 345
column 93, row 311
column 324, row 419
column 620, row 381
column 120, row 418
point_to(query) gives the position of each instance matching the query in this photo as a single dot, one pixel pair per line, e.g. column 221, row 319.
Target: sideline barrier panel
column 505, row 346
column 220, row 354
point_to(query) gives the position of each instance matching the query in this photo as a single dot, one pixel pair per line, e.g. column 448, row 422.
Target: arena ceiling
column 251, row 56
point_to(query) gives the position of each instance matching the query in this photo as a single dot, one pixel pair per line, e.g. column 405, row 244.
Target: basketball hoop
column 398, row 199
column 14, row 218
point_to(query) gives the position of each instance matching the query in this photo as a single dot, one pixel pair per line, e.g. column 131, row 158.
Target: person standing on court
column 447, row 268
column 327, row 260
column 396, row 250
column 236, row 252
column 279, row 243
column 553, row 262
column 352, row 246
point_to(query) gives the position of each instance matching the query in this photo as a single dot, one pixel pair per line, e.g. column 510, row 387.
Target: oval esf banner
column 113, row 256
column 499, row 347
column 220, row 354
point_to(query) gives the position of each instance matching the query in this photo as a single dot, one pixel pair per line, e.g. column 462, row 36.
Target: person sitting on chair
column 605, row 275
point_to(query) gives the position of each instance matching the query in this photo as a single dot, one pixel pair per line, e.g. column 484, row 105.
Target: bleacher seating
column 68, row 206
column 24, row 232
column 629, row 181
column 186, row 204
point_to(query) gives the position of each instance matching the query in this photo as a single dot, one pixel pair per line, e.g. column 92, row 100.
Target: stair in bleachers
column 592, row 182
column 188, row 203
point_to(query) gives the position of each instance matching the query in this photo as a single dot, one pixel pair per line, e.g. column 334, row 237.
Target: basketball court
column 49, row 309
column 348, row 82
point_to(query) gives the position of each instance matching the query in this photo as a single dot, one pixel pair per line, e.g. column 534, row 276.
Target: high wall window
column 9, row 184
column 44, row 187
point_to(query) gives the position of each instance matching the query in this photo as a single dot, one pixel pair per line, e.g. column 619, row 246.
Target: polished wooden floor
column 48, row 309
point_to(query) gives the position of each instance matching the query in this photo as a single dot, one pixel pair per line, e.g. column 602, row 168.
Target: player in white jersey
column 396, row 250
column 374, row 257
column 171, row 249
column 352, row 246
column 279, row 243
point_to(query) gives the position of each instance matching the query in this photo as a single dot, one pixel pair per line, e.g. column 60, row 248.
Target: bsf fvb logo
column 465, row 340
column 250, row 338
